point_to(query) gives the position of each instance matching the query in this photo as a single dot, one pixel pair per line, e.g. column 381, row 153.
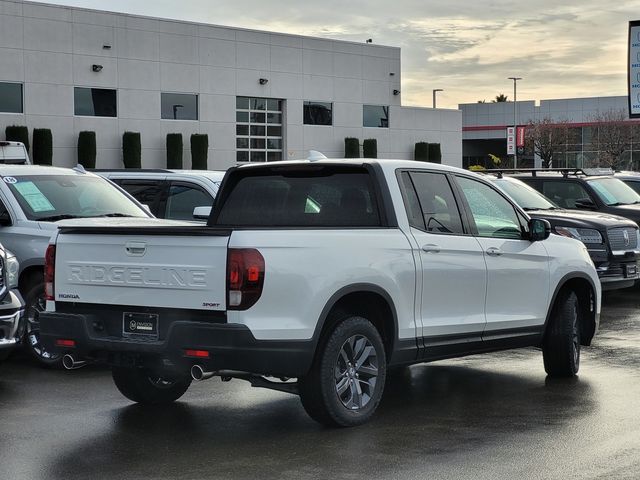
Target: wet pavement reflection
column 487, row 416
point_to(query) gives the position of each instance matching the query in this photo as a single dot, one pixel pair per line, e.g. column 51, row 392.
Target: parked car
column 33, row 200
column 328, row 272
column 172, row 194
column 584, row 189
column 613, row 242
column 11, row 304
column 13, row 153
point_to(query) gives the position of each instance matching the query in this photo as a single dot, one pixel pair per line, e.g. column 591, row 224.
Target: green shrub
column 131, row 150
column 351, row 147
column 17, row 133
column 422, row 152
column 199, row 150
column 42, row 146
column 174, row 150
column 87, row 149
column 435, row 155
column 370, row 148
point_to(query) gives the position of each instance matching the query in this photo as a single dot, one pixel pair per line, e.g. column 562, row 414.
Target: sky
column 468, row 48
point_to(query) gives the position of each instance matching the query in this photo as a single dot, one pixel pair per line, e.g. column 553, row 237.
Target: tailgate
column 178, row 269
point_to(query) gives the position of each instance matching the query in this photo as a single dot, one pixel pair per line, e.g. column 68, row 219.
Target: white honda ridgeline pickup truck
column 314, row 278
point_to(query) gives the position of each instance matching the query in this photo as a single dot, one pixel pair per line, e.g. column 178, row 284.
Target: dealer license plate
column 135, row 323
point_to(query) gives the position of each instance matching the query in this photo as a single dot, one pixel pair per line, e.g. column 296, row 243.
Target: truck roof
column 385, row 163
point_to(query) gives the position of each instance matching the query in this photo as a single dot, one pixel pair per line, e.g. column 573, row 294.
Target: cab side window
column 493, row 215
column 183, row 198
column 433, row 200
column 147, row 192
column 564, row 193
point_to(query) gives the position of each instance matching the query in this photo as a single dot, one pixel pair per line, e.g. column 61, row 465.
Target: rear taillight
column 245, row 277
column 49, row 270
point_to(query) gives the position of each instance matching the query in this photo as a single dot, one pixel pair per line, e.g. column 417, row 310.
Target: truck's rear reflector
column 49, row 271
column 245, row 277
column 196, row 353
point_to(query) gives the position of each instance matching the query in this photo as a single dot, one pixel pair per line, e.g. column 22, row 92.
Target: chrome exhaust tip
column 198, row 373
column 70, row 363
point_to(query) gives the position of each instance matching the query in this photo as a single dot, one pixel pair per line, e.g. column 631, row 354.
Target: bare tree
column 547, row 138
column 613, row 138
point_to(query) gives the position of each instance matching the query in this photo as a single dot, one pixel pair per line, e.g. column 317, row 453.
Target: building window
column 258, row 129
column 10, row 97
column 375, row 116
column 318, row 113
column 179, row 106
column 95, row 102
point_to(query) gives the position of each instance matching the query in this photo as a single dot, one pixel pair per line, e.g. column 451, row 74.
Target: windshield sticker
column 34, row 197
column 605, row 194
column 10, row 180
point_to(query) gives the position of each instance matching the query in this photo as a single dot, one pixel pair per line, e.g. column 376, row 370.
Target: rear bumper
column 11, row 321
column 230, row 347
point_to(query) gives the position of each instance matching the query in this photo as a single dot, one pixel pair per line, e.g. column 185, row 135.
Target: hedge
column 18, row 133
column 422, row 152
column 174, row 150
column 42, row 146
column 131, row 150
column 87, row 149
column 351, row 147
column 435, row 155
column 199, row 150
column 370, row 148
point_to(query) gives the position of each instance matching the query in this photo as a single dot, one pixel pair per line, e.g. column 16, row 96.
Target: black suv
column 613, row 242
column 593, row 189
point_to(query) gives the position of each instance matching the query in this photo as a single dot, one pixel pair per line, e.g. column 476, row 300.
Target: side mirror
column 201, row 213
column 539, row 229
column 585, row 203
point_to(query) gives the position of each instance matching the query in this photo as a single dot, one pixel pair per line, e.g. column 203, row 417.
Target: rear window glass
column 302, row 198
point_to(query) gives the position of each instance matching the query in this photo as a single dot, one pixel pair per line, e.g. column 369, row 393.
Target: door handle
column 494, row 251
column 431, row 248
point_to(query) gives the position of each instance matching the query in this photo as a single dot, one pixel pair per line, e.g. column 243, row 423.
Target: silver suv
column 33, row 200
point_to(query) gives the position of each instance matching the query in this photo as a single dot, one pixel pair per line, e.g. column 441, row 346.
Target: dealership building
column 484, row 129
column 259, row 96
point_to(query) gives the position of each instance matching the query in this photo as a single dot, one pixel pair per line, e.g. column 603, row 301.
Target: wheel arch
column 27, row 274
column 368, row 300
column 585, row 289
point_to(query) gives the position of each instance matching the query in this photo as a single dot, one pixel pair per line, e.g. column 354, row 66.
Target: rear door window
column 151, row 193
column 437, row 203
column 301, row 197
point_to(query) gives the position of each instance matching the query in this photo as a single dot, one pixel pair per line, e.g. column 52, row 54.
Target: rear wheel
column 35, row 303
column 142, row 386
column 345, row 383
column 561, row 347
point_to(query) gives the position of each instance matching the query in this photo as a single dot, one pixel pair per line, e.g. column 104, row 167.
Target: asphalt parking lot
column 488, row 416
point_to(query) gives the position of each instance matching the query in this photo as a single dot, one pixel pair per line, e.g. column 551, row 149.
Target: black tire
column 141, row 386
column 561, row 346
column 333, row 372
column 34, row 304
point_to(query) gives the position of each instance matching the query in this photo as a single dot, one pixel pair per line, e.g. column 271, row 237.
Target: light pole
column 515, row 121
column 436, row 90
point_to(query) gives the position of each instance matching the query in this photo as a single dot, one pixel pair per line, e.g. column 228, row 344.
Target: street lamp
column 515, row 121
column 436, row 90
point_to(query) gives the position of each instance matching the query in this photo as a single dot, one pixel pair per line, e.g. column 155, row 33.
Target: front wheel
column 142, row 386
column 345, row 383
column 35, row 303
column 561, row 346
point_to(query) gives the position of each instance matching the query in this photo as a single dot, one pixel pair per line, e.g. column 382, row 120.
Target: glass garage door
column 258, row 129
